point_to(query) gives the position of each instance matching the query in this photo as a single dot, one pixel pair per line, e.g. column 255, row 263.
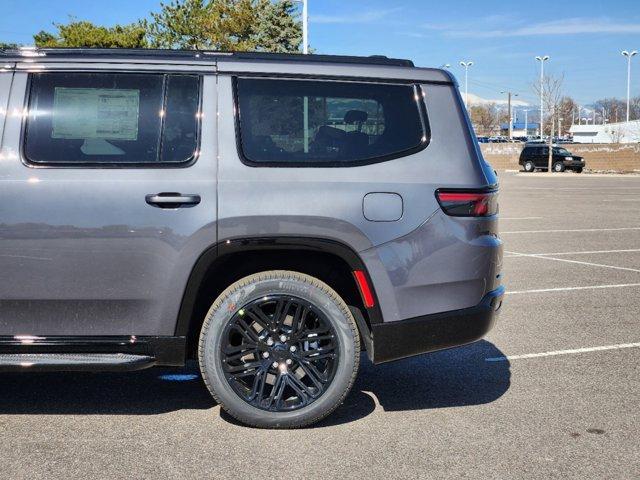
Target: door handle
column 172, row 200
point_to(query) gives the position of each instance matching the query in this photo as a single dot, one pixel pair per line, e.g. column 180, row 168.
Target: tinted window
column 105, row 118
column 327, row 123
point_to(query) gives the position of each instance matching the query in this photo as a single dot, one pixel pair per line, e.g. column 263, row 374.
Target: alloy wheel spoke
column 282, row 307
column 297, row 327
column 257, row 315
column 238, row 355
column 301, row 390
column 313, row 375
column 244, row 368
column 316, row 353
column 247, row 332
column 276, row 391
column 259, row 382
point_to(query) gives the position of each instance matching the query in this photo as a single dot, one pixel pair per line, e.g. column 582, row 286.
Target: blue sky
column 583, row 37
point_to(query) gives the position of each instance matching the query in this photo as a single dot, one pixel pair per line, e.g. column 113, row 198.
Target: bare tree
column 616, row 133
column 566, row 112
column 551, row 99
column 614, row 107
column 484, row 118
column 634, row 108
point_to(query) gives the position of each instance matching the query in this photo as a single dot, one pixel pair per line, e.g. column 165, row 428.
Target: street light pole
column 526, row 122
column 305, row 25
column 466, row 66
column 629, row 56
column 510, row 112
column 305, row 51
column 542, row 59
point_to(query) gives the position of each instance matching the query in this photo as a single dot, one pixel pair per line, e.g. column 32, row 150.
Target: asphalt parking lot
column 489, row 410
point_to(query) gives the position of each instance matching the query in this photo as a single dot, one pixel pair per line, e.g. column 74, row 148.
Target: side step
column 74, row 362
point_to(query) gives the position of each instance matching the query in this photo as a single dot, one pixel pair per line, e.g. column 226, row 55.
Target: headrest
column 355, row 116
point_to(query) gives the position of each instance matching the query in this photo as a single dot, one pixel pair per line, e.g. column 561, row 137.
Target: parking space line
column 576, row 261
column 576, row 230
column 563, row 352
column 568, row 289
column 583, row 252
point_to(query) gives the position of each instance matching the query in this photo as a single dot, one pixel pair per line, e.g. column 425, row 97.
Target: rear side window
column 326, row 123
column 112, row 119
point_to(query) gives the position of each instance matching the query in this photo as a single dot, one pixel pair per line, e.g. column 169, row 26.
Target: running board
column 74, row 362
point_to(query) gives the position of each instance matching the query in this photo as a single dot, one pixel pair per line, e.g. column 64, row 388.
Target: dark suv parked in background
column 268, row 215
column 536, row 156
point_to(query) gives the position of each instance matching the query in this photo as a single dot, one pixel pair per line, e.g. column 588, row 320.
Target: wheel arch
column 226, row 262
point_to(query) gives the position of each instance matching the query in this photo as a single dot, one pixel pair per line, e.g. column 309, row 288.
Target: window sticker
column 95, row 113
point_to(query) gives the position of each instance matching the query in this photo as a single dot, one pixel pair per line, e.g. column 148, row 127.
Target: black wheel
column 578, row 170
column 279, row 349
column 529, row 166
column 558, row 167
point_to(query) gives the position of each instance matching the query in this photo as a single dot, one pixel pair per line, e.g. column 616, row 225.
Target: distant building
column 621, row 132
column 518, row 129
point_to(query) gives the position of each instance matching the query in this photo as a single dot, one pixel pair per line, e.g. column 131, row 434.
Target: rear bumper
column 406, row 338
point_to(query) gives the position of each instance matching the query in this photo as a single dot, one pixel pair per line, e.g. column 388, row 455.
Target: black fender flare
column 252, row 244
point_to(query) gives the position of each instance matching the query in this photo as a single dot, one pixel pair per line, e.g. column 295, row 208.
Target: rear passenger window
column 325, row 123
column 112, row 119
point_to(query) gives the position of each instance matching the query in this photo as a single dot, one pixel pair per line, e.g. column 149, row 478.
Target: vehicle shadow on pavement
column 451, row 378
column 456, row 377
column 146, row 392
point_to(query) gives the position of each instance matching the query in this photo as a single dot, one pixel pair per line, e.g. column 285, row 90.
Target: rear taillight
column 468, row 204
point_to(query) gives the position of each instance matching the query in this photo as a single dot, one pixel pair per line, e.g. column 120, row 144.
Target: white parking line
column 576, row 261
column 582, row 252
column 563, row 352
column 567, row 289
column 576, row 230
column 520, row 218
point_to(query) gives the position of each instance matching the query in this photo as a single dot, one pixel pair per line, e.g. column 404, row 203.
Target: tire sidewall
column 287, row 283
column 530, row 165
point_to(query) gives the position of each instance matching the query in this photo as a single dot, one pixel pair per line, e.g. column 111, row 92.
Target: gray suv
column 268, row 215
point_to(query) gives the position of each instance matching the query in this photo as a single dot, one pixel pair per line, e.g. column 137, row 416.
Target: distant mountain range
column 477, row 100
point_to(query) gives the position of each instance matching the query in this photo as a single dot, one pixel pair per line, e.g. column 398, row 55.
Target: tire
column 558, row 167
column 578, row 170
column 529, row 166
column 279, row 384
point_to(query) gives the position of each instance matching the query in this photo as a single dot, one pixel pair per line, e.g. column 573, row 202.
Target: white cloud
column 370, row 16
column 566, row 26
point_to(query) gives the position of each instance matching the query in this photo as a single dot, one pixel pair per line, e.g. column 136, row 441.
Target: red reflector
column 468, row 204
column 363, row 286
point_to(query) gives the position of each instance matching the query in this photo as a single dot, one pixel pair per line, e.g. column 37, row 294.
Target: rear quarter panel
column 327, row 202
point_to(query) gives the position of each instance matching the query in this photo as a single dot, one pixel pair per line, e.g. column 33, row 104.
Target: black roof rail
column 196, row 55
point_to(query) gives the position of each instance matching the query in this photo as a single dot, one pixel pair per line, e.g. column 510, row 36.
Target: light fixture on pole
column 542, row 60
column 629, row 56
column 466, row 66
